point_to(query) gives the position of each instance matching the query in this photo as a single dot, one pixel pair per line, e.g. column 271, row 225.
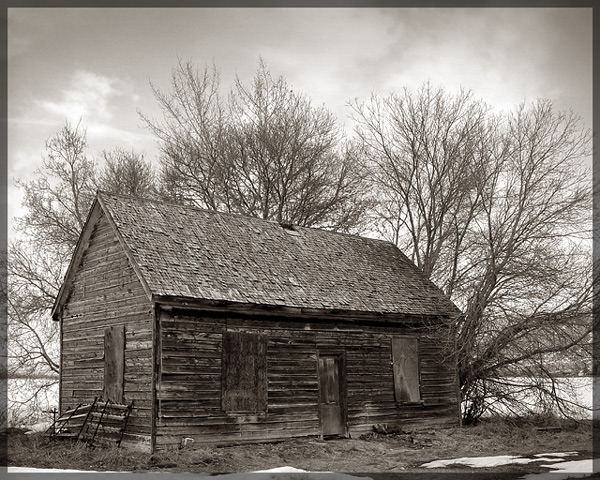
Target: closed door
column 330, row 405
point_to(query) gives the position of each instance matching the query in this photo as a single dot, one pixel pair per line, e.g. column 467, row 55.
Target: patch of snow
column 556, row 454
column 578, row 389
column 485, row 462
column 572, row 469
column 48, row 470
column 279, row 473
column 272, row 474
column 281, row 469
column 38, row 428
column 560, row 471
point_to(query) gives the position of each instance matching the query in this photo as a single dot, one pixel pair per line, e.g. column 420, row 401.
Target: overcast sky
column 95, row 64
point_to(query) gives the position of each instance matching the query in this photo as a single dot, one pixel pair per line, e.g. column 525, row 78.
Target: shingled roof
column 198, row 254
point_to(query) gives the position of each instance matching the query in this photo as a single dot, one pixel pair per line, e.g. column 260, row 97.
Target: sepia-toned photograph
column 300, row 243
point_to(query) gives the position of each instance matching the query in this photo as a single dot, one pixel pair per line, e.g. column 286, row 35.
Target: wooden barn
column 227, row 329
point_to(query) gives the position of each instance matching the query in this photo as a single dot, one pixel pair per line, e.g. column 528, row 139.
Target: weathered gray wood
column 405, row 351
column 114, row 363
column 244, row 365
column 332, row 418
column 105, row 292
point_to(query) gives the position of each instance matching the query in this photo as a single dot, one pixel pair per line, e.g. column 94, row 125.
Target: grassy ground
column 371, row 453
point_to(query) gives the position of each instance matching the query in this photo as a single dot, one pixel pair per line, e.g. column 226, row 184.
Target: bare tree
column 528, row 298
column 192, row 136
column 496, row 210
column 34, row 281
column 127, row 173
column 265, row 152
column 57, row 202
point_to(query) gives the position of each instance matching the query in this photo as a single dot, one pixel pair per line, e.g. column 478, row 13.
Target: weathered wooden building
column 225, row 328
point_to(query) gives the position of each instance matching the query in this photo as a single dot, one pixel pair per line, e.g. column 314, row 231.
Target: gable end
column 96, row 213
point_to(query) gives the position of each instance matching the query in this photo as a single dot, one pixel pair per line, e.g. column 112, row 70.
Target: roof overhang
column 250, row 309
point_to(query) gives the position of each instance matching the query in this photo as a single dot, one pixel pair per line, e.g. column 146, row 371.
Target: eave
column 250, row 309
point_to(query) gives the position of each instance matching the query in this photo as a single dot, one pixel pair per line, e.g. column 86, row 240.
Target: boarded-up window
column 244, row 372
column 405, row 356
column 114, row 363
column 329, row 391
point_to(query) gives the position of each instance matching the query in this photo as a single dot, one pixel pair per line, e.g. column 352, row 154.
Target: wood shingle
column 195, row 253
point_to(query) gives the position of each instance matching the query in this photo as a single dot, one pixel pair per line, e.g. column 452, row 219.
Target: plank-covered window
column 244, row 372
column 405, row 358
column 114, row 363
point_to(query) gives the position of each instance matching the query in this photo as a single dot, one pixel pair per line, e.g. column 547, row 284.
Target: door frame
column 340, row 359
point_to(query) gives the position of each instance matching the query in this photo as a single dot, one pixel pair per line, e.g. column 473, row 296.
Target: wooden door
column 114, row 363
column 330, row 396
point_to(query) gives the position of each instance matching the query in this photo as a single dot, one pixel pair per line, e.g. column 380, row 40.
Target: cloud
column 106, row 137
column 105, row 105
column 88, row 96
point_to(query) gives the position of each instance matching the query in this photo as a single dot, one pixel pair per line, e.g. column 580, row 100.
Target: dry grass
column 372, row 453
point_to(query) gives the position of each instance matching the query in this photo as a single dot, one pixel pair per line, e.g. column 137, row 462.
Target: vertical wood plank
column 322, row 376
column 261, row 374
column 405, row 356
column 114, row 363
column 333, row 387
column 156, row 358
column 330, row 408
column 227, row 369
column 61, row 369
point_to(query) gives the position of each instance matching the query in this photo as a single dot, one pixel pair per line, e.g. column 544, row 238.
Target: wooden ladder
column 102, row 422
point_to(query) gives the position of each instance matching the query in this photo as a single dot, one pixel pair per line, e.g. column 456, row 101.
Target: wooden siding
column 189, row 378
column 106, row 292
